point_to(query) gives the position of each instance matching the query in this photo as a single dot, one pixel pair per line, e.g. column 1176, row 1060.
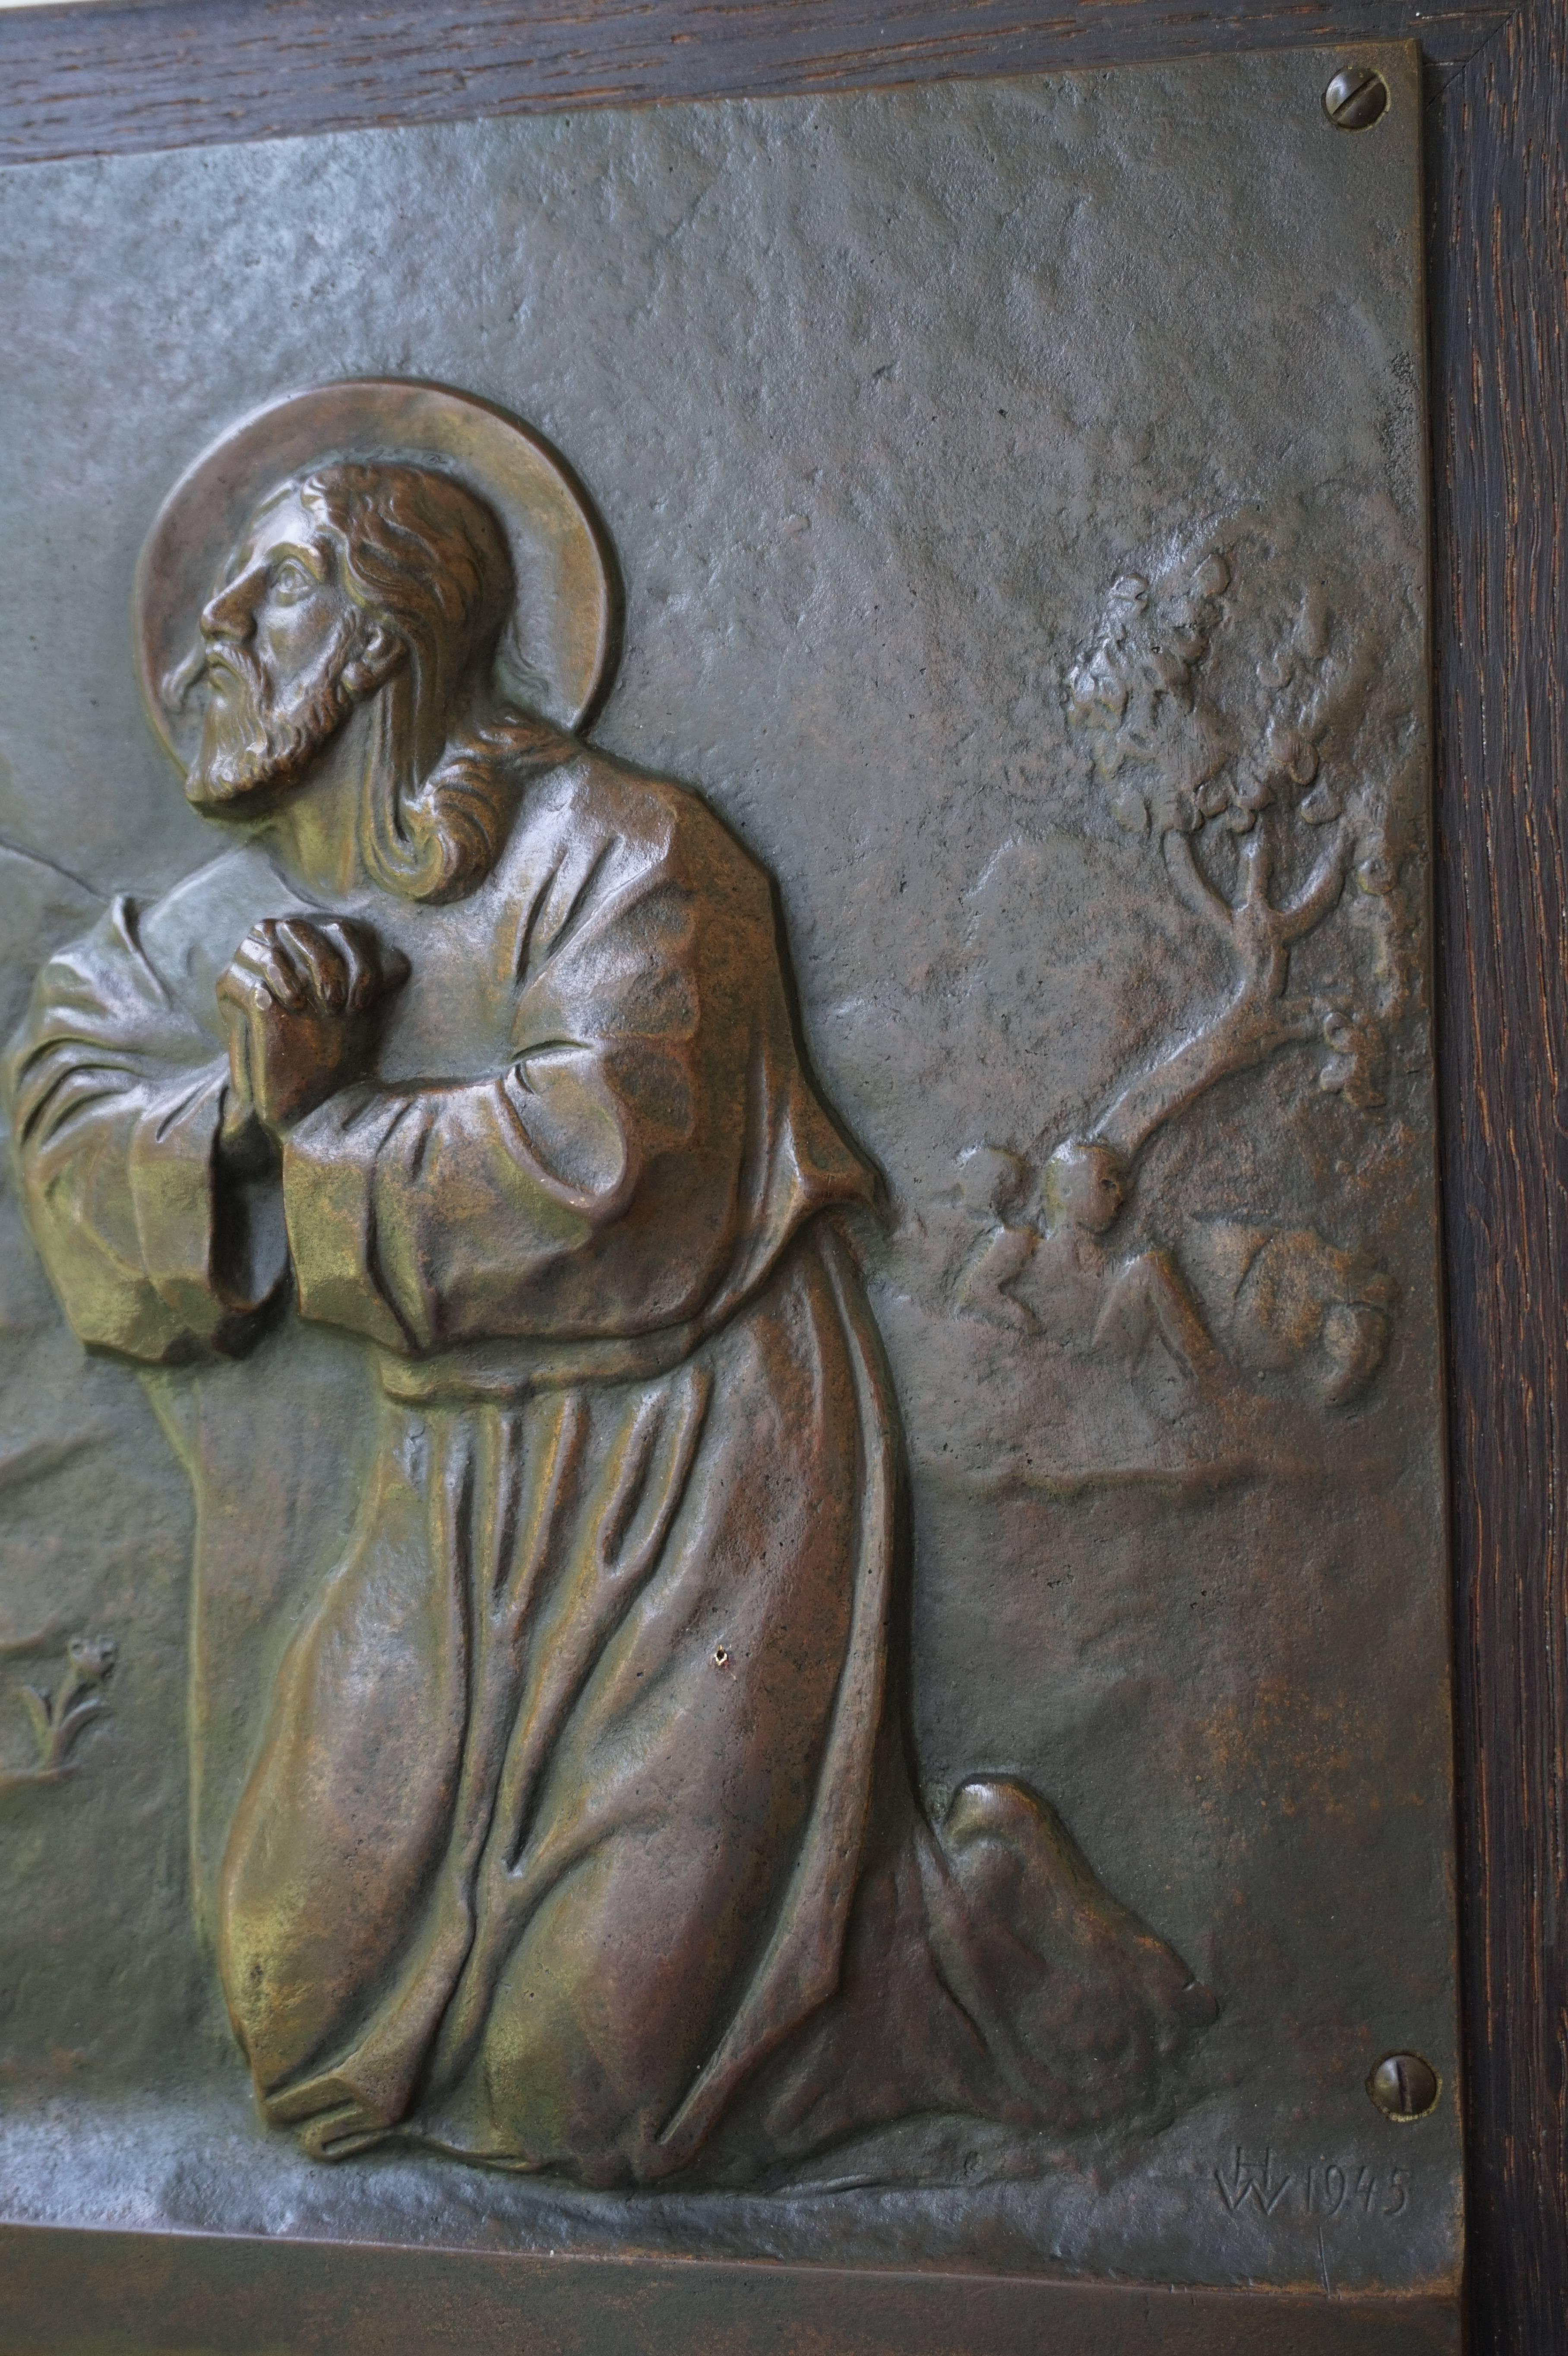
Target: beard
column 256, row 745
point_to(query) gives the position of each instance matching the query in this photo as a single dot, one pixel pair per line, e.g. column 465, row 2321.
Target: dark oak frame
column 158, row 74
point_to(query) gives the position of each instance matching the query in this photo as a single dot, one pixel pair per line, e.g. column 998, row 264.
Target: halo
column 561, row 649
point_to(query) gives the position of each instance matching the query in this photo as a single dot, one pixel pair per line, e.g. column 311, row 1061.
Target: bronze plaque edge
column 128, row 2294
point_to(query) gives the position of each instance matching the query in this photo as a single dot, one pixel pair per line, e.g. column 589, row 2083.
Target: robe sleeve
column 116, row 1097
column 526, row 1203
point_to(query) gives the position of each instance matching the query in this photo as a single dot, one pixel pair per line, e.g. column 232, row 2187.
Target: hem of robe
column 922, row 1979
column 372, row 2092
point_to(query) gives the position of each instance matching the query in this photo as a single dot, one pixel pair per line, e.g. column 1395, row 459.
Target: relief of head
column 1085, row 1185
column 355, row 629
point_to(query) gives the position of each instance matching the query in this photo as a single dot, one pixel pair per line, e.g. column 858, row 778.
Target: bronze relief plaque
column 721, row 1420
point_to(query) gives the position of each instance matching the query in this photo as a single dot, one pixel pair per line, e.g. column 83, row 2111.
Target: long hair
column 426, row 558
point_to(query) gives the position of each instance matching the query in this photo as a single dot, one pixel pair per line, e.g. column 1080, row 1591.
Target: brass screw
column 1404, row 2088
column 1356, row 98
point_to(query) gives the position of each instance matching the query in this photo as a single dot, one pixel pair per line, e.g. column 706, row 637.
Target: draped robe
column 573, row 1827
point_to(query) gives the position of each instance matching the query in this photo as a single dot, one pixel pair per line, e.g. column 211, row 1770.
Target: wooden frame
column 157, row 73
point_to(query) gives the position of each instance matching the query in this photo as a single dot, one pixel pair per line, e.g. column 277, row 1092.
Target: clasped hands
column 300, row 1000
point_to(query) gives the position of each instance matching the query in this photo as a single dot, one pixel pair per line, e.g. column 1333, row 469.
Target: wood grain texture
column 1501, row 419
column 75, row 80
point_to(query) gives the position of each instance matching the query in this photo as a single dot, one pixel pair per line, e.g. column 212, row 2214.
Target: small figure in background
column 1288, row 1300
column 1085, row 1297
column 1063, row 1281
column 992, row 1186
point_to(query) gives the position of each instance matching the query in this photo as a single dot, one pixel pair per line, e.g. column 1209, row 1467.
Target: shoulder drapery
column 627, row 1169
column 116, row 1094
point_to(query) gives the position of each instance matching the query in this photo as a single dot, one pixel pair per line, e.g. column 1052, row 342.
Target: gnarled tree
column 1224, row 716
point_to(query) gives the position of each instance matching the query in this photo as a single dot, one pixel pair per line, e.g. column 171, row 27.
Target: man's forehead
column 281, row 516
column 1088, row 1161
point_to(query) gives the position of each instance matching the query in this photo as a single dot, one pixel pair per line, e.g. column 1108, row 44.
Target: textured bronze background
column 1005, row 794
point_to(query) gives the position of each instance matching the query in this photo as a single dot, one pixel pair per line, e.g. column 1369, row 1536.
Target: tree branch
column 1320, row 893
column 1193, row 887
column 1254, row 1027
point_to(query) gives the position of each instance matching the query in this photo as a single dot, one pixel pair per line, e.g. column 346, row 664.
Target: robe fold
column 575, row 1831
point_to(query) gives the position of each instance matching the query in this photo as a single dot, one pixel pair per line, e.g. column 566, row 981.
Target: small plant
column 58, row 1717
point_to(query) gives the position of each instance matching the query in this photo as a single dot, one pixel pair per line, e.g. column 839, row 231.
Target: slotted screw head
column 1356, row 98
column 1404, row 2087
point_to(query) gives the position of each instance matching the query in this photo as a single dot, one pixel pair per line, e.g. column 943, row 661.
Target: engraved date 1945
column 1260, row 2182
